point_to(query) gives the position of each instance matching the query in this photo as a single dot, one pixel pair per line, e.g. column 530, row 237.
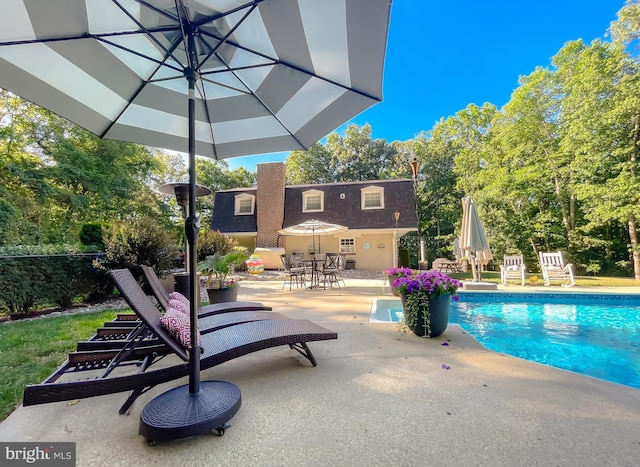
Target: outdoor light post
column 396, row 215
column 414, row 169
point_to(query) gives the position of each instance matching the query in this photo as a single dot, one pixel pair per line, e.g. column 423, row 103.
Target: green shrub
column 211, row 242
column 91, row 235
column 30, row 281
column 140, row 241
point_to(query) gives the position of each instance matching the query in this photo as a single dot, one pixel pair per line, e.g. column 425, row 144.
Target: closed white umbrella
column 217, row 78
column 473, row 238
column 457, row 251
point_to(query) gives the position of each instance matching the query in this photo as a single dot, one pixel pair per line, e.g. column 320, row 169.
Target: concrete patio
column 376, row 398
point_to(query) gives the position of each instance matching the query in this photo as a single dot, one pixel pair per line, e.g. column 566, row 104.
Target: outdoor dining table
column 451, row 266
column 312, row 263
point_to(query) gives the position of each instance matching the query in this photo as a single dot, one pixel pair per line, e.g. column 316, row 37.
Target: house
column 254, row 216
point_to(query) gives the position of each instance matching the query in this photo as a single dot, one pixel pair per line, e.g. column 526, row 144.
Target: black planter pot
column 224, row 294
column 439, row 308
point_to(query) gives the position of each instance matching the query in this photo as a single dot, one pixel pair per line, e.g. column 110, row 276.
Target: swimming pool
column 593, row 334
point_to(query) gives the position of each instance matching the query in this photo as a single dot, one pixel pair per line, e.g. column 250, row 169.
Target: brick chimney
column 271, row 180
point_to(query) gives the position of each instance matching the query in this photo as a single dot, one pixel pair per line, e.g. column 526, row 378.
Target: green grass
column 31, row 350
column 587, row 281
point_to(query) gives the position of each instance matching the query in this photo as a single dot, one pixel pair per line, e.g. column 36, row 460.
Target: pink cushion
column 180, row 297
column 178, row 325
column 178, row 305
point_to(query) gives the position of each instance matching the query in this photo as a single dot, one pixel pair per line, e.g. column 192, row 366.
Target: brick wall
column 271, row 182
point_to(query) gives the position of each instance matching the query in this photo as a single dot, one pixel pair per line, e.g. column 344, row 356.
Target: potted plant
column 426, row 299
column 395, row 273
column 217, row 268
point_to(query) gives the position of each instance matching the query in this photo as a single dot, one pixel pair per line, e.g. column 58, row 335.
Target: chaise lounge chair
column 215, row 316
column 218, row 346
column 119, row 333
column 162, row 296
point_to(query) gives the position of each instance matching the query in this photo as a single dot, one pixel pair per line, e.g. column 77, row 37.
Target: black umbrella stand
column 197, row 408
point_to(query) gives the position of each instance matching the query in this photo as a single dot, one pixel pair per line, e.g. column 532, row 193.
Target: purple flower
column 398, row 272
column 445, row 366
column 429, row 283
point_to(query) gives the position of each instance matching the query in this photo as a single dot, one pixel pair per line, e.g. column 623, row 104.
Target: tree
column 524, row 178
column 357, row 156
column 626, row 29
column 601, row 126
column 314, row 165
column 437, row 199
column 61, row 176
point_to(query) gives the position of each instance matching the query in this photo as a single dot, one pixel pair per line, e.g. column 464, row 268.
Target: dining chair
column 329, row 270
column 293, row 271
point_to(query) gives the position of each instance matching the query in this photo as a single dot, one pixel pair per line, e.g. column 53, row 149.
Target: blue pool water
column 593, row 334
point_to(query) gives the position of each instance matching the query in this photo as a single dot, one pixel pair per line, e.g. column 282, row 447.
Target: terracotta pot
column 438, row 307
column 224, row 294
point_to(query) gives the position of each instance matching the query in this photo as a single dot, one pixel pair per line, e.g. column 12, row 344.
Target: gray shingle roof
column 345, row 210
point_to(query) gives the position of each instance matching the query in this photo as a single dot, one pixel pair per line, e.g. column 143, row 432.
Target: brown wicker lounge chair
column 229, row 314
column 220, row 345
column 162, row 296
column 217, row 315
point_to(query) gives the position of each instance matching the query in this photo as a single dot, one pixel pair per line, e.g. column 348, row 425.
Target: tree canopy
column 555, row 168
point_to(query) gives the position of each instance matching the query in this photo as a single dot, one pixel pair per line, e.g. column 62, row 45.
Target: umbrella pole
column 207, row 406
column 192, row 228
column 474, row 271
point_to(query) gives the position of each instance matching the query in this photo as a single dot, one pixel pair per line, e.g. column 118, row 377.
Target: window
column 347, row 245
column 372, row 197
column 313, row 201
column 244, row 204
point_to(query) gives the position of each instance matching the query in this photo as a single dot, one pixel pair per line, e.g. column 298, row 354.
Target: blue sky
column 445, row 55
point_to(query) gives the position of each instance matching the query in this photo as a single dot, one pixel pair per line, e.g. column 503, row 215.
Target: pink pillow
column 180, row 297
column 178, row 325
column 178, row 305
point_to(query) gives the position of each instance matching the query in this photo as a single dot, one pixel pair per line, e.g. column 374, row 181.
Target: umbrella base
column 177, row 414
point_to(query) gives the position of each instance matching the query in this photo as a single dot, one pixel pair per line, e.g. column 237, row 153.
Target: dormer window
column 244, row 204
column 372, row 197
column 313, row 201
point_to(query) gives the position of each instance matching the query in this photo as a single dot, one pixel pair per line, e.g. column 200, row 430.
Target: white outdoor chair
column 553, row 267
column 513, row 267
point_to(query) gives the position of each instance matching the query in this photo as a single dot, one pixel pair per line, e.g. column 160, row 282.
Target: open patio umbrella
column 473, row 238
column 218, row 78
column 312, row 227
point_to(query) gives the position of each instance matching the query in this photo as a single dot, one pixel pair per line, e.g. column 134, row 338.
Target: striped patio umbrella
column 217, row 78
column 473, row 238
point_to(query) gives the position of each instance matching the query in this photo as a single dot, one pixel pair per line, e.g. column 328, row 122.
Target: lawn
column 586, row 281
column 31, row 350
